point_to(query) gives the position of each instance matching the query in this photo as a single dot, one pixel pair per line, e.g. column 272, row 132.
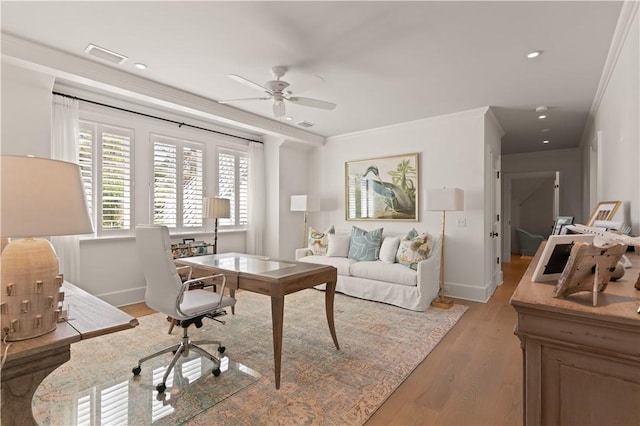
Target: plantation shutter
column 192, row 186
column 116, row 179
column 165, row 184
column 85, row 161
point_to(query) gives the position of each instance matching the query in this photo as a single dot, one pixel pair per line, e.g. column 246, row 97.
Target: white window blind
column 178, row 183
column 233, row 183
column 105, row 156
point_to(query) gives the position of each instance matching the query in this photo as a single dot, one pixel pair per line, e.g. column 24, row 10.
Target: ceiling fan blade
column 228, row 101
column 247, row 82
column 314, row 103
column 278, row 109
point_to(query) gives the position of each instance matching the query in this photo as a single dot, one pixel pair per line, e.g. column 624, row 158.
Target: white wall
column 451, row 153
column 617, row 120
column 26, row 112
column 567, row 161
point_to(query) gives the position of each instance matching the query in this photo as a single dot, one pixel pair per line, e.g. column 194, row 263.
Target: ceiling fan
column 276, row 90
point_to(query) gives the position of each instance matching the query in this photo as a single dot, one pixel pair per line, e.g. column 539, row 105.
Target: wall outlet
column 462, row 222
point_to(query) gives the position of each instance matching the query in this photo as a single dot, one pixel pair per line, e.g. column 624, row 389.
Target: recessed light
column 140, row 66
column 546, row 141
column 288, row 118
column 534, row 54
column 545, row 130
column 541, row 110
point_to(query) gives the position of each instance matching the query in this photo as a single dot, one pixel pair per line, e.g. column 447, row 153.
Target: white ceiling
column 380, row 62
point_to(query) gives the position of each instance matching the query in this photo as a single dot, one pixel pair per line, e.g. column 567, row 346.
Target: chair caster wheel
column 136, row 370
column 161, row 388
column 216, row 372
column 221, row 349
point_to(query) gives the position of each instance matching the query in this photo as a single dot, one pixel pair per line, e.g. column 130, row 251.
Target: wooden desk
column 272, row 278
column 30, row 361
column 581, row 363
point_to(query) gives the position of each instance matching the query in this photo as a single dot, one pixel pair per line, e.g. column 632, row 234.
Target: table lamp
column 306, row 204
column 40, row 198
column 443, row 199
column 215, row 208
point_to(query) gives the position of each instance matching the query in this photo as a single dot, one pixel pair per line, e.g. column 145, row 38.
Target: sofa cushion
column 413, row 248
column 388, row 249
column 318, row 241
column 381, row 271
column 338, row 245
column 342, row 264
column 365, row 245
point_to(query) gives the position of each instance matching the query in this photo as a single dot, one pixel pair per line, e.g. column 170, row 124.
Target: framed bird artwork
column 384, row 188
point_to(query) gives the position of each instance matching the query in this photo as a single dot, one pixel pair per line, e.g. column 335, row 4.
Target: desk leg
column 329, row 297
column 232, row 294
column 277, row 315
column 20, row 381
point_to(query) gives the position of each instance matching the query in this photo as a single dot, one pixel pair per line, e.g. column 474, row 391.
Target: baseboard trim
column 468, row 292
column 124, row 297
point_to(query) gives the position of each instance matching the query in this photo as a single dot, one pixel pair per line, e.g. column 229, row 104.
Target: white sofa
column 391, row 283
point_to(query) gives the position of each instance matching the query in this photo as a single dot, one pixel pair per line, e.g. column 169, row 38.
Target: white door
column 496, row 228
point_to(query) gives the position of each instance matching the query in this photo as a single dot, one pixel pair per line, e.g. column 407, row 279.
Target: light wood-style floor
column 473, row 376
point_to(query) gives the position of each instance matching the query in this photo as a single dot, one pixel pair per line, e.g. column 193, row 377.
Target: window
column 178, row 183
column 233, row 183
column 106, row 164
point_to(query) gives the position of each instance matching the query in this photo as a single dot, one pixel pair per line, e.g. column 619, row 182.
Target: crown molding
column 109, row 79
column 628, row 13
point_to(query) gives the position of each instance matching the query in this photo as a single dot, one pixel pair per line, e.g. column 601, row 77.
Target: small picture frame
column 560, row 223
column 605, row 210
column 555, row 256
column 188, row 240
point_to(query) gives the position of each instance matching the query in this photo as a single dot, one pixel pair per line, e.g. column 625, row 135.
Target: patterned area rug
column 380, row 346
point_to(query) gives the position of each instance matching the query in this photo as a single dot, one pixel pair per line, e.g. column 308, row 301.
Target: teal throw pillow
column 365, row 245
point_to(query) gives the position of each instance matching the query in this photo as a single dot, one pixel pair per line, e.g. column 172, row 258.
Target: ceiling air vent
column 105, row 54
column 304, row 124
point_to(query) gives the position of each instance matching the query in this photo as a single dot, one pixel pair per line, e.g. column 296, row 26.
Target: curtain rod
column 180, row 124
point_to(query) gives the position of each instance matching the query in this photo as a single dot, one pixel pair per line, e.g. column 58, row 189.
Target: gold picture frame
column 605, row 210
column 384, row 188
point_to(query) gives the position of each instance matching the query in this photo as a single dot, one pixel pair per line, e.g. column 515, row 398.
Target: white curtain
column 64, row 130
column 257, row 205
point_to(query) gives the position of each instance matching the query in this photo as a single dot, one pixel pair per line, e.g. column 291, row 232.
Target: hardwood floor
column 473, row 376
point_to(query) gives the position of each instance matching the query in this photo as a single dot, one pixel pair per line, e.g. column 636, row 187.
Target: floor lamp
column 444, row 199
column 40, row 198
column 215, row 208
column 304, row 203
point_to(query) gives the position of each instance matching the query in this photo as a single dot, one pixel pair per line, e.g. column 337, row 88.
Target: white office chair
column 166, row 293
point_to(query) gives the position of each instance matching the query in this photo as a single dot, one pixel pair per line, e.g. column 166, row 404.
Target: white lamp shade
column 41, row 197
column 217, row 208
column 440, row 199
column 305, row 203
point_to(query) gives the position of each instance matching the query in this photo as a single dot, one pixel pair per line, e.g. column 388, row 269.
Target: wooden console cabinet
column 581, row 363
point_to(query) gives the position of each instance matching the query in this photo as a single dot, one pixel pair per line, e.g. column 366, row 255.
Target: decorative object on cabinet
column 40, row 197
column 559, row 225
column 605, row 210
column 589, row 269
column 444, row 199
column 305, row 204
column 555, row 256
column 215, row 208
column 383, row 188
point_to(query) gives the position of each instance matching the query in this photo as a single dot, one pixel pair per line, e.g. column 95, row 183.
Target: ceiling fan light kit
column 277, row 91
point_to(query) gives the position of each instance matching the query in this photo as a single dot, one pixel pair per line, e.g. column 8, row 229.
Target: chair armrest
column 185, row 268
column 188, row 283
